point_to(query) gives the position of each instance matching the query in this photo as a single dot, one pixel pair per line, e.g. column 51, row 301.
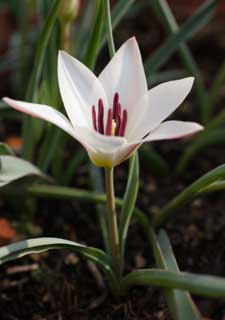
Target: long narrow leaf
column 202, row 285
column 93, row 45
column 13, row 168
column 22, row 248
column 206, row 139
column 189, row 193
column 181, row 304
column 36, row 76
column 129, row 202
column 183, row 50
column 196, row 22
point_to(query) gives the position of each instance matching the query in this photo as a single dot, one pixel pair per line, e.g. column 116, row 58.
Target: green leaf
column 215, row 186
column 129, row 201
column 205, row 139
column 180, row 303
column 214, row 93
column 195, row 23
column 91, row 54
column 22, row 248
column 5, row 149
column 13, row 168
column 171, row 24
column 189, row 193
column 202, row 285
column 36, row 76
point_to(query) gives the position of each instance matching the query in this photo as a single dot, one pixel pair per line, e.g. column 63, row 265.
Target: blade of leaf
column 196, row 22
column 183, row 50
column 180, row 302
column 91, row 53
column 129, row 202
column 22, row 248
column 202, row 285
column 205, row 139
column 5, row 149
column 214, row 95
column 189, row 193
column 35, row 77
column 13, row 168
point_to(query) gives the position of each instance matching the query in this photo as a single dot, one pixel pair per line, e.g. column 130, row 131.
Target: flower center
column 116, row 118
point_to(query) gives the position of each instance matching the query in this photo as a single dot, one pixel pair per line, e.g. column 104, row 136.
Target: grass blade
column 91, row 54
column 206, row 286
column 189, row 193
column 172, row 26
column 129, row 202
column 206, row 139
column 179, row 36
column 36, row 76
column 180, row 303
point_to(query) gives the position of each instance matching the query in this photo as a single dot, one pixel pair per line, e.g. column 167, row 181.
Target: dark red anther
column 109, row 123
column 115, row 105
column 94, row 118
column 100, row 116
column 123, row 124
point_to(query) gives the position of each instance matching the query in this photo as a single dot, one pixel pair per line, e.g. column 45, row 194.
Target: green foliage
column 13, row 168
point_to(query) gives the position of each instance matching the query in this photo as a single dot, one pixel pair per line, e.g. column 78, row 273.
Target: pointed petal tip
column 8, row 100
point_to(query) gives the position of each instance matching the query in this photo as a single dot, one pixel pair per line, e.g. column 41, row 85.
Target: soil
column 58, row 285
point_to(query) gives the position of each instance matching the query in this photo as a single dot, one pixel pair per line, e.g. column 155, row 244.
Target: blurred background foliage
column 174, row 38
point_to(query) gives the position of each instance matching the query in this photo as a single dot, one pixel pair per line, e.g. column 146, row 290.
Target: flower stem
column 113, row 226
column 111, row 45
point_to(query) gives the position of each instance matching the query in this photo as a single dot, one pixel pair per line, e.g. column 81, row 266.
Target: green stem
column 109, row 28
column 113, row 225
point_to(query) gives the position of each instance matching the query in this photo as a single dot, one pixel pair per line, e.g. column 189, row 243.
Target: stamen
column 123, row 124
column 118, row 123
column 109, row 123
column 94, row 118
column 115, row 105
column 100, row 116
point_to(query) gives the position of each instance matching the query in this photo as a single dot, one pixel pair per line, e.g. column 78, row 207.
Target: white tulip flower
column 112, row 115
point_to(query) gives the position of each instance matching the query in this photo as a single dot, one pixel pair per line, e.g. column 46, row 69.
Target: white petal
column 156, row 106
column 80, row 89
column 173, row 130
column 103, row 150
column 43, row 112
column 125, row 74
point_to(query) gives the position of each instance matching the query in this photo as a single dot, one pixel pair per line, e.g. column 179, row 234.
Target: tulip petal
column 125, row 74
column 80, row 89
column 172, row 130
column 103, row 150
column 156, row 106
column 43, row 112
